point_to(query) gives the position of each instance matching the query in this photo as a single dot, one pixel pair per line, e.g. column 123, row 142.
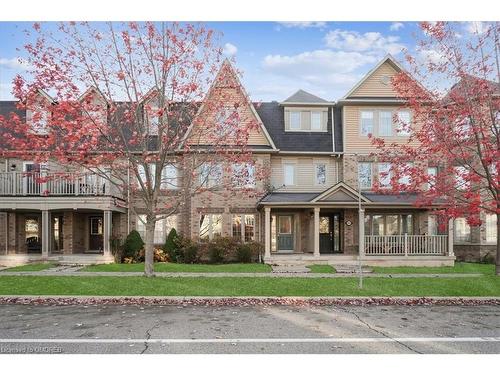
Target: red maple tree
column 452, row 157
column 126, row 101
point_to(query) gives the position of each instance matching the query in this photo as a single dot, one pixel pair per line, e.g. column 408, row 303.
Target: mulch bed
column 253, row 301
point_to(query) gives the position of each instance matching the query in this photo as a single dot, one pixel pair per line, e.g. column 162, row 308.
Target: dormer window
column 295, row 120
column 316, row 120
column 38, row 118
column 153, row 118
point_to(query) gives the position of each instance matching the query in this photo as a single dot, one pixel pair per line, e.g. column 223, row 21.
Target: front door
column 285, row 233
column 95, row 234
column 329, row 234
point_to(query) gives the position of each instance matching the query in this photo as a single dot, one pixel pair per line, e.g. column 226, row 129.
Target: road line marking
column 254, row 340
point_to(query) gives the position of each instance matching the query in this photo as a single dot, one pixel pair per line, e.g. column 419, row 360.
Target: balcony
column 406, row 245
column 25, row 184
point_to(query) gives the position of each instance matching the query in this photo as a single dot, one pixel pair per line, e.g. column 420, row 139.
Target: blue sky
column 324, row 58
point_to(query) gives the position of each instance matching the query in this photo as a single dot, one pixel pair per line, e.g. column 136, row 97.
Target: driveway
column 252, row 329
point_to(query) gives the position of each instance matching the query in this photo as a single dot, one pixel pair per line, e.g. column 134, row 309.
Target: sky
column 277, row 59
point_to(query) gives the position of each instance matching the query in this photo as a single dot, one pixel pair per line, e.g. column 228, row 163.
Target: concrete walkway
column 53, row 272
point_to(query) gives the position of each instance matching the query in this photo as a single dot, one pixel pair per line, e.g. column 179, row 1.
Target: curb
column 249, row 301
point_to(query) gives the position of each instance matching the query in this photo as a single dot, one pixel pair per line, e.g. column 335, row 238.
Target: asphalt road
column 271, row 329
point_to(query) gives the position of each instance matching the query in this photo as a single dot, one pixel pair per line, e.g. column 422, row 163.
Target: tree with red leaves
column 452, row 158
column 127, row 102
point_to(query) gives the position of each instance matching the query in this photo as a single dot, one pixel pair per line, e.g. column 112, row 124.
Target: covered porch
column 331, row 228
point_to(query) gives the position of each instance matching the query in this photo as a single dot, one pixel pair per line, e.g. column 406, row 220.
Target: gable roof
column 459, row 87
column 389, row 59
column 338, row 192
column 304, row 97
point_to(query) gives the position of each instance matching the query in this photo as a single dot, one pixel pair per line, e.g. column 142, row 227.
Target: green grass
column 246, row 286
column 178, row 267
column 30, row 267
column 321, row 268
column 460, row 267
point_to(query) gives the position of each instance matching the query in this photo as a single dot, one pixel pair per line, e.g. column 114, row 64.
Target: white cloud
column 14, row 63
column 303, row 24
column 6, row 91
column 229, row 49
column 395, row 26
column 474, row 27
column 430, row 56
column 319, row 67
column 367, row 42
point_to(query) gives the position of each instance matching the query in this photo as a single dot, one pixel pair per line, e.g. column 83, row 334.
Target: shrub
column 133, row 244
column 187, row 250
column 170, row 247
column 158, row 255
column 116, row 248
column 248, row 252
column 222, row 249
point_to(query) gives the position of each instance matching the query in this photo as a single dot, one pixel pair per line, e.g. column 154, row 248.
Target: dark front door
column 95, row 233
column 329, row 234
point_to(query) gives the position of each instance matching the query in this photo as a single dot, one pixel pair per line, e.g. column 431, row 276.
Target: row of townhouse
column 320, row 188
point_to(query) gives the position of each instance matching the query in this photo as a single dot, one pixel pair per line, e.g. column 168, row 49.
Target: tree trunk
column 497, row 258
column 149, row 249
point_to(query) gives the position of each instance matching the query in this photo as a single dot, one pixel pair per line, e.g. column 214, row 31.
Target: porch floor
column 11, row 260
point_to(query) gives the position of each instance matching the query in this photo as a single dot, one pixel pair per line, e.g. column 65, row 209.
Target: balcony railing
column 406, row 244
column 54, row 184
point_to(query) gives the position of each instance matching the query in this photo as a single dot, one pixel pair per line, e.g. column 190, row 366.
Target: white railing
column 54, row 183
column 406, row 244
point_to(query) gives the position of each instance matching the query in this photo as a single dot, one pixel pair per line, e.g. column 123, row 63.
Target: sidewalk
column 75, row 273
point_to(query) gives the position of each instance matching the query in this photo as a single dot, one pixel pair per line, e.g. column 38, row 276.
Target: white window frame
column 380, row 115
column 316, row 170
column 169, row 177
column 239, row 174
column 293, row 125
column 41, row 127
column 360, row 182
column 316, row 115
column 404, row 178
column 362, row 127
column 162, row 227
column 211, row 225
column 460, row 181
column 490, row 228
column 384, row 181
column 243, row 223
column 286, row 179
column 403, row 131
column 210, row 174
column 152, row 172
column 432, row 173
column 462, row 225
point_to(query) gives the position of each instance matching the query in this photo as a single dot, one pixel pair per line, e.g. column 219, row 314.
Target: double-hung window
column 384, row 174
column 243, row 175
column 210, row 174
column 295, row 123
column 289, row 174
column 320, row 174
column 169, row 177
column 366, row 122
column 385, row 123
column 244, row 227
column 162, row 228
column 365, row 175
column 143, row 175
column 316, row 121
column 210, row 226
column 403, row 126
column 462, row 230
column 491, row 228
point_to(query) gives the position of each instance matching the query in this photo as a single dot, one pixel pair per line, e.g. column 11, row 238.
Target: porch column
column 45, row 233
column 450, row 237
column 316, row 232
column 361, row 240
column 267, row 233
column 107, row 232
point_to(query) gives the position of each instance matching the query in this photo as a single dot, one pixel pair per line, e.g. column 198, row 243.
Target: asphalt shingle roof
column 302, row 96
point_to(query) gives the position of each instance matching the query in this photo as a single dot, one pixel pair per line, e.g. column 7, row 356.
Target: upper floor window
column 169, row 177
column 320, row 174
column 461, row 181
column 366, row 122
column 405, row 175
column 243, row 175
column 385, row 123
column 152, row 115
column 431, row 176
column 491, row 228
column 295, row 123
column 227, row 120
column 288, row 174
column 384, row 174
column 210, row 174
column 403, row 124
column 152, row 174
column 38, row 118
column 316, row 121
column 365, row 175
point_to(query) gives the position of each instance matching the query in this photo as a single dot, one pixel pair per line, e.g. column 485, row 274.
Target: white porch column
column 107, row 232
column 45, row 233
column 361, row 230
column 316, row 232
column 451, row 223
column 267, row 233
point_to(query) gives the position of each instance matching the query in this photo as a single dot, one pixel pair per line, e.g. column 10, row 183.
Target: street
column 250, row 329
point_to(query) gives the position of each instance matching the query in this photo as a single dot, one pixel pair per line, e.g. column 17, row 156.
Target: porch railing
column 406, row 244
column 54, row 184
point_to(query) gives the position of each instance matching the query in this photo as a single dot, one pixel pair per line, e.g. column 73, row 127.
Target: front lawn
column 179, row 267
column 31, row 267
column 321, row 268
column 246, row 286
column 460, row 267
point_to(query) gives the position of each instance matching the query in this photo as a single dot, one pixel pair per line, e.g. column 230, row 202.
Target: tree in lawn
column 127, row 102
column 458, row 130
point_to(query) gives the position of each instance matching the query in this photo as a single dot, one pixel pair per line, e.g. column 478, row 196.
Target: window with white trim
column 152, row 114
column 162, row 228
column 244, row 227
column 403, row 127
column 169, row 177
column 365, row 175
column 435, row 225
column 405, row 175
column 366, row 125
column 152, row 174
column 243, row 175
column 38, row 118
column 461, row 230
column 432, row 176
column 288, row 174
column 491, row 228
column 210, row 226
column 320, row 174
column 384, row 175
column 385, row 123
column 210, row 174
column 388, row 224
column 316, row 120
column 461, row 181
column 295, row 123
